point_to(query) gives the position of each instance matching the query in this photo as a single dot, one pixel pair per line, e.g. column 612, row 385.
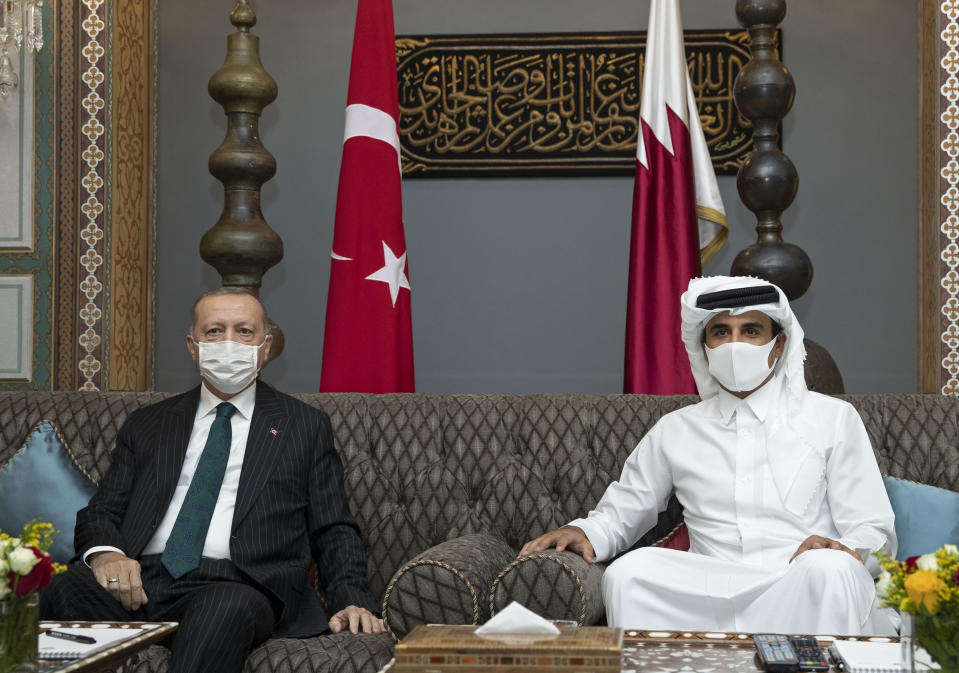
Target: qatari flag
column 368, row 345
column 678, row 217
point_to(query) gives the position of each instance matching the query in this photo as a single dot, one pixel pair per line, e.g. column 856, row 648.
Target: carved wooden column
column 241, row 246
column 767, row 180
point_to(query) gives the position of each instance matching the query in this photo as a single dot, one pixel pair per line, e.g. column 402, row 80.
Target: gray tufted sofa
column 447, row 487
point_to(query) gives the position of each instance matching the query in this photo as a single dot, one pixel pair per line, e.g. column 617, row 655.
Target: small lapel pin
column 274, row 432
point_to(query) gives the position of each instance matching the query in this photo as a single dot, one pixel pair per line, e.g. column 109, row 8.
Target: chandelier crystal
column 21, row 27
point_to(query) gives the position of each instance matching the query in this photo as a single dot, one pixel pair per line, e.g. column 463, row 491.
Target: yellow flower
column 923, row 587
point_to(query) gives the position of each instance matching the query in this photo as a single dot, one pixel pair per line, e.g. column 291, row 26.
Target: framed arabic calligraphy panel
column 565, row 104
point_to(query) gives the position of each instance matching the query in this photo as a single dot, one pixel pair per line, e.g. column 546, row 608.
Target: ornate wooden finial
column 764, row 91
column 241, row 246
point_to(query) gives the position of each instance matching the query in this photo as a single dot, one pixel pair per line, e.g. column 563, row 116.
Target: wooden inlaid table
column 115, row 658
column 695, row 652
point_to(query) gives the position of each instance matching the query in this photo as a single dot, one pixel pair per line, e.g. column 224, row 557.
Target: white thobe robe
column 737, row 575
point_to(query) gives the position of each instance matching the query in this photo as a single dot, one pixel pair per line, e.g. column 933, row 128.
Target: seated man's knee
column 67, row 592
column 625, row 569
column 234, row 606
column 827, row 567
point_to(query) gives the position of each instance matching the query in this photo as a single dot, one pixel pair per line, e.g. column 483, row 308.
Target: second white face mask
column 740, row 366
column 228, row 366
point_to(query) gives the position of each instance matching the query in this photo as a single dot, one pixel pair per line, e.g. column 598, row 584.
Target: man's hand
column 358, row 620
column 120, row 575
column 567, row 537
column 820, row 542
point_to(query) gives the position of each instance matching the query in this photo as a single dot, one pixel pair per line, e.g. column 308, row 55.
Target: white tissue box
column 457, row 649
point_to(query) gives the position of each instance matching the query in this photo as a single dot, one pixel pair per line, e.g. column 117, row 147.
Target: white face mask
column 227, row 365
column 740, row 366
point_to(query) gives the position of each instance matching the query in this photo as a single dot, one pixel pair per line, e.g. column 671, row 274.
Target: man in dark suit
column 215, row 502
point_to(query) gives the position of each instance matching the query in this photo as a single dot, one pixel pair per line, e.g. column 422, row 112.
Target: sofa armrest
column 446, row 584
column 553, row 584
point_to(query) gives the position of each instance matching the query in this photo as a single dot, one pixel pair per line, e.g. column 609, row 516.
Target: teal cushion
column 927, row 517
column 42, row 482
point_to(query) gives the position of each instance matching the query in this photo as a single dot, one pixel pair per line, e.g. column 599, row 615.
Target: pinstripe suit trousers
column 222, row 615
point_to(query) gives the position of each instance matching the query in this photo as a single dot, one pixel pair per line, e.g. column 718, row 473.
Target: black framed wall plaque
column 563, row 104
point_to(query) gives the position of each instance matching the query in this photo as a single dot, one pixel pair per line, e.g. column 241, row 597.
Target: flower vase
column 18, row 633
column 908, row 644
column 939, row 636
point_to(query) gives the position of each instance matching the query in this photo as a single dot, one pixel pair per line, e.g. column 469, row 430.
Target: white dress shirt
column 217, row 543
column 714, row 455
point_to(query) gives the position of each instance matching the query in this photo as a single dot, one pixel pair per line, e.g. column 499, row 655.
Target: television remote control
column 809, row 653
column 776, row 653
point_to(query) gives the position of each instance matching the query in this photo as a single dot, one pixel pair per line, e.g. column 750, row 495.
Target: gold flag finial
column 243, row 16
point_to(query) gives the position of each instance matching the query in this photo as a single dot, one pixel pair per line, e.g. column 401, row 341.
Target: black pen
column 72, row 636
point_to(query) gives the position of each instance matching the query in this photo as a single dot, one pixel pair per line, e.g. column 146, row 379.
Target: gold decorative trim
column 131, row 259
column 944, row 75
column 64, row 371
column 105, row 195
column 930, row 369
column 92, row 187
column 712, row 215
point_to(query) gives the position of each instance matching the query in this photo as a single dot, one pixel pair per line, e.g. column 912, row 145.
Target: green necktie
column 185, row 544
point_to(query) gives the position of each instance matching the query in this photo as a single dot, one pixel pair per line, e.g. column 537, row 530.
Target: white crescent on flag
column 363, row 120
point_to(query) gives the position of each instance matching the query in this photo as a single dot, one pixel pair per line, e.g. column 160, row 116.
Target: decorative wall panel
column 939, row 196
column 131, row 299
column 25, row 256
column 16, row 170
column 16, row 326
column 95, row 177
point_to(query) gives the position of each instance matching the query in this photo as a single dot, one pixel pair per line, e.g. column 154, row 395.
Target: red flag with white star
column 368, row 344
column 679, row 221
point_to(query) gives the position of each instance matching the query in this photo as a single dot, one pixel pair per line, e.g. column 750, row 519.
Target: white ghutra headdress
column 793, row 440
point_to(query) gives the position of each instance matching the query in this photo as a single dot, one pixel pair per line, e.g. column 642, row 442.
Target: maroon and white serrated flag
column 368, row 343
column 679, row 221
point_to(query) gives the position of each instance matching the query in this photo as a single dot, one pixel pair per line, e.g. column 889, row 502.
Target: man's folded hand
column 567, row 537
column 357, row 620
column 820, row 542
column 120, row 575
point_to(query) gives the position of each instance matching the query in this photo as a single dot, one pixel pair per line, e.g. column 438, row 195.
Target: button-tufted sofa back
column 421, row 469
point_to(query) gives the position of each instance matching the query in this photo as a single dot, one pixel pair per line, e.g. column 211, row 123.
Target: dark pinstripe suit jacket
column 290, row 505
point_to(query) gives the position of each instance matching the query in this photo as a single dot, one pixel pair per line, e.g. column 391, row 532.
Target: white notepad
column 859, row 656
column 49, row 647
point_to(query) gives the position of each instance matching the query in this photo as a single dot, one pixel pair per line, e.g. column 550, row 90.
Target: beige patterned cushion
column 554, row 585
column 447, row 584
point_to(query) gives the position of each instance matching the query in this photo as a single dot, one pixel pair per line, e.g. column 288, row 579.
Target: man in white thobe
column 779, row 486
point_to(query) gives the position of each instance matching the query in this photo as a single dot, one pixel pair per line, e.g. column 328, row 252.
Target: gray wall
column 519, row 285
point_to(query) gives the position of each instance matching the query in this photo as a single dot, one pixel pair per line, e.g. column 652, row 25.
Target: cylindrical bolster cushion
column 446, row 584
column 554, row 585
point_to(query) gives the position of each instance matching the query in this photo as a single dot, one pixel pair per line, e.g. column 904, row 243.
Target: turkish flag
column 678, row 217
column 368, row 344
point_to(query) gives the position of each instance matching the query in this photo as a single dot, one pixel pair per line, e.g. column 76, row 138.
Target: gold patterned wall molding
column 132, row 202
column 932, row 350
column 938, row 196
column 565, row 104
column 104, row 83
